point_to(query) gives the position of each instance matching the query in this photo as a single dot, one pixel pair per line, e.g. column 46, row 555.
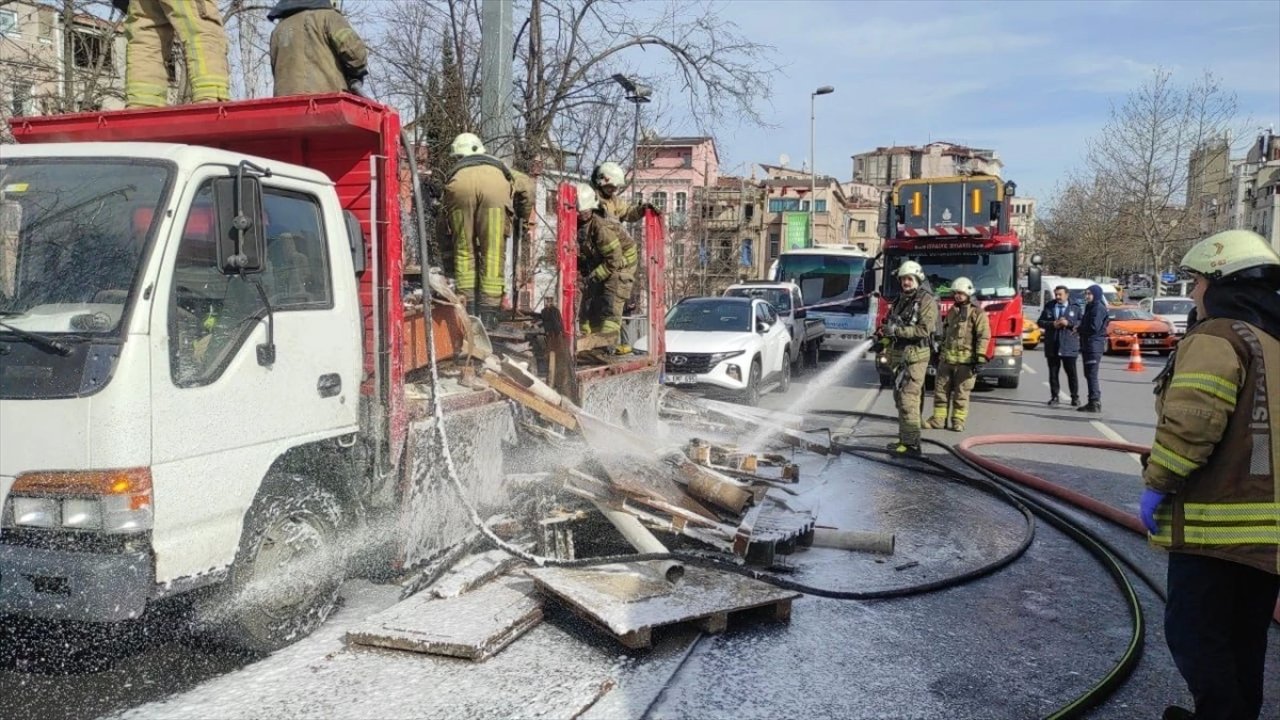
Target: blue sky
column 1033, row 80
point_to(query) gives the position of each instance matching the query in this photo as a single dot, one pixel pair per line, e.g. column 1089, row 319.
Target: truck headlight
column 717, row 358
column 109, row 501
column 1008, row 350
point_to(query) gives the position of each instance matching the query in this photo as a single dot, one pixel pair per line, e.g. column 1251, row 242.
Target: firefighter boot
column 901, row 448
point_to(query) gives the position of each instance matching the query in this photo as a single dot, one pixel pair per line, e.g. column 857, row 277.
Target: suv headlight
column 717, row 358
column 107, row 501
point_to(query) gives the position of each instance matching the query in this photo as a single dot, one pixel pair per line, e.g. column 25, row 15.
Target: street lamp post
column 813, row 163
column 637, row 94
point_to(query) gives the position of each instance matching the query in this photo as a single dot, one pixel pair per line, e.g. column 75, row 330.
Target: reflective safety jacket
column 1217, row 446
column 619, row 209
column 965, row 335
column 916, row 316
column 603, row 248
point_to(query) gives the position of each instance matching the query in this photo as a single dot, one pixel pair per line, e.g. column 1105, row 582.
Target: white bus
column 836, row 283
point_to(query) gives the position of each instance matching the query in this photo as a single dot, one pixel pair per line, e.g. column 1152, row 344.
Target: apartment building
column 885, row 166
column 791, row 195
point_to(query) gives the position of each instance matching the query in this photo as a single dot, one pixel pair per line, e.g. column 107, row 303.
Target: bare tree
column 1143, row 155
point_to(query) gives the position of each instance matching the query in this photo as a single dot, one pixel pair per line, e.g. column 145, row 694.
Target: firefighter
column 314, row 49
column 608, row 180
column 965, row 336
column 150, row 27
column 908, row 331
column 605, row 265
column 478, row 203
column 1212, row 497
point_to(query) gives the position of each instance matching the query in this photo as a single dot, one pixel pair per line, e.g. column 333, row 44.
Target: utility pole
column 68, row 56
column 495, row 77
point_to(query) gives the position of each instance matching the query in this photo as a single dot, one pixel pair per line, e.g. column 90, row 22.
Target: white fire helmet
column 609, row 174
column 466, row 144
column 1231, row 252
column 962, row 285
column 586, row 198
column 911, row 267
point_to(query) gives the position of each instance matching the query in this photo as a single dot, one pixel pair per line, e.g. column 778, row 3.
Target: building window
column 804, row 206
column 21, row 99
column 46, row 25
column 637, row 198
column 92, row 51
column 682, row 202
column 777, row 205
column 677, row 255
column 775, row 244
column 660, row 200
column 747, row 211
column 819, row 205
column 9, row 23
column 748, row 257
column 862, row 226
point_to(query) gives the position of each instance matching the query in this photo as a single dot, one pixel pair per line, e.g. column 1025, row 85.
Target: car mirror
column 801, row 314
column 762, row 327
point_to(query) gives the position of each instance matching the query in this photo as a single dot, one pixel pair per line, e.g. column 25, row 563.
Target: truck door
column 220, row 417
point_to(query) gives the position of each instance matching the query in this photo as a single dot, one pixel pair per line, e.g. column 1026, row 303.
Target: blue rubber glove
column 1151, row 500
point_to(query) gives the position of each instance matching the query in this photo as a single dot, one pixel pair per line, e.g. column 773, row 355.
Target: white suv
column 731, row 344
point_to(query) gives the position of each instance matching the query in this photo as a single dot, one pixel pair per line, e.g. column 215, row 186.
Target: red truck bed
column 353, row 140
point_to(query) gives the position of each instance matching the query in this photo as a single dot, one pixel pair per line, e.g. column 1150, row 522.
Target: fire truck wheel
column 284, row 583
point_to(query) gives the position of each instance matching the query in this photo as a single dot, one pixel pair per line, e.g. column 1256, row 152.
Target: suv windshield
column 72, row 237
column 827, row 279
column 779, row 298
column 992, row 273
column 711, row 315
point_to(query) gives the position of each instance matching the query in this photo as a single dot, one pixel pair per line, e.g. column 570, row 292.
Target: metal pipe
column 855, row 540
column 643, row 540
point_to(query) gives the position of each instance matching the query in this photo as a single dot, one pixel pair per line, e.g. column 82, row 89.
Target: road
column 1017, row 643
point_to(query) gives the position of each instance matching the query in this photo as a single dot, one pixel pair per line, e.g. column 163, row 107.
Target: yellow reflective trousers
column 150, row 28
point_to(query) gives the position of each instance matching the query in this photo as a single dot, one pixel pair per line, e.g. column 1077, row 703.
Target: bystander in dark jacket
column 1060, row 322
column 1093, row 343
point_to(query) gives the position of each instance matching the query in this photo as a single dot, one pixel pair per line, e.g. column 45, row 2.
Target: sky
column 1031, row 80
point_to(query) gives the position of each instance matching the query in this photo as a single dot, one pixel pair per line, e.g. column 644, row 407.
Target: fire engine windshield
column 832, row 281
column 993, row 273
column 73, row 234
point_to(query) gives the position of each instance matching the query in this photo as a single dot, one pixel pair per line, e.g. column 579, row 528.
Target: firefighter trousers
column 908, row 394
column 478, row 202
column 951, row 388
column 150, row 28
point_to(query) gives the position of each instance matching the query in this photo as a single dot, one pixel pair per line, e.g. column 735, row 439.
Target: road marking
column 846, row 425
column 1028, row 368
column 1110, row 434
column 1061, row 395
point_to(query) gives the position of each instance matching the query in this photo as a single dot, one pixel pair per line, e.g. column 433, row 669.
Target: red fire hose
column 1117, row 516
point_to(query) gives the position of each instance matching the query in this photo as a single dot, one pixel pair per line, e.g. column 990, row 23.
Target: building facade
column 885, row 166
column 56, row 61
column 787, row 211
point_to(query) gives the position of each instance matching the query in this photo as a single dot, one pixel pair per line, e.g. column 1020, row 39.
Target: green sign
column 795, row 230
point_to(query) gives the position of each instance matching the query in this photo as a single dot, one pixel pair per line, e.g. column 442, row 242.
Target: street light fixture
column 813, row 163
column 637, row 94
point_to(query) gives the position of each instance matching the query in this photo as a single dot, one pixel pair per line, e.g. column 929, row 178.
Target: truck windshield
column 833, row 281
column 710, row 315
column 779, row 298
column 72, row 237
column 993, row 273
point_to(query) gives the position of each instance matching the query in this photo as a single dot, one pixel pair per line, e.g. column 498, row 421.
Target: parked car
column 734, row 345
column 1032, row 335
column 806, row 332
column 1173, row 310
column 1130, row 324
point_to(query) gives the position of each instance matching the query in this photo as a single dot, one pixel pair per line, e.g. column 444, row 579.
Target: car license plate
column 1152, row 341
column 682, row 379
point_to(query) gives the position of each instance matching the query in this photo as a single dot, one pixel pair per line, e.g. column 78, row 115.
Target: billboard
column 795, row 230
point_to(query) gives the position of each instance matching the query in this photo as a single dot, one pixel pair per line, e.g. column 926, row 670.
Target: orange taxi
column 1129, row 325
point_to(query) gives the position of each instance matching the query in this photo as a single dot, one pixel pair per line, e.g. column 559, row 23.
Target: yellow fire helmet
column 962, row 285
column 586, row 198
column 466, row 144
column 1230, row 253
column 911, row 267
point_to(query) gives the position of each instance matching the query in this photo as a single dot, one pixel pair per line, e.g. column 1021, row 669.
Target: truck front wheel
column 284, row 583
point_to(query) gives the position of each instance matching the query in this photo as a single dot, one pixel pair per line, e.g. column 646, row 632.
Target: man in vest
column 314, row 50
column 1212, row 497
column 477, row 202
column 965, row 336
column 1060, row 321
column 150, row 27
column 908, row 330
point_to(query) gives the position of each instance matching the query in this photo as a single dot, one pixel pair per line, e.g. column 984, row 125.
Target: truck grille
column 688, row 363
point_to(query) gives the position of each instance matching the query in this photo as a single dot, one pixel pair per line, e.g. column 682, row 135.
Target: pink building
column 668, row 171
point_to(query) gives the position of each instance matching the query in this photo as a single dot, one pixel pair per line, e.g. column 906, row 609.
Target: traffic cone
column 1135, row 358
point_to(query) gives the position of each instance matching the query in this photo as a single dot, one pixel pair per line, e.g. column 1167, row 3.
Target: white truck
column 785, row 297
column 203, row 359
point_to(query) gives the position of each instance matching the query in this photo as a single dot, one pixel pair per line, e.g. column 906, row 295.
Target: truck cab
column 785, row 297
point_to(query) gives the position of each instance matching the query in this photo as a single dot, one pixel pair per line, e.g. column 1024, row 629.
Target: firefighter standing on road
column 150, row 27
column 606, row 263
column 314, row 50
column 1212, row 494
column 477, row 202
column 909, row 330
column 965, row 336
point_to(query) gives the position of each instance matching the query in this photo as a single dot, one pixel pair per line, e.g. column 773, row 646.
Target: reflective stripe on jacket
column 916, row 315
column 1217, row 446
column 965, row 335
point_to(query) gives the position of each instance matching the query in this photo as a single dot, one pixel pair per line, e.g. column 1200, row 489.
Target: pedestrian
column 966, row 333
column 908, row 330
column 150, row 27
column 605, row 267
column 314, row 50
column 478, row 203
column 1093, row 343
column 1212, row 497
column 1060, row 321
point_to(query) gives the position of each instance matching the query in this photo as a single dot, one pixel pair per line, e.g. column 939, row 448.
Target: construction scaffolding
column 716, row 243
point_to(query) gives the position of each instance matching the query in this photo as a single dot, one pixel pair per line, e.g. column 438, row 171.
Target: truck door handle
column 330, row 384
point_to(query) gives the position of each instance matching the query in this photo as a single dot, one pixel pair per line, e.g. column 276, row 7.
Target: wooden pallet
column 629, row 601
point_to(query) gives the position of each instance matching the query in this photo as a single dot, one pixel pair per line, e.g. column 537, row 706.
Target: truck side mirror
column 241, row 245
column 997, row 209
column 801, row 314
column 899, row 214
column 1037, row 259
column 1033, row 278
column 355, row 240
